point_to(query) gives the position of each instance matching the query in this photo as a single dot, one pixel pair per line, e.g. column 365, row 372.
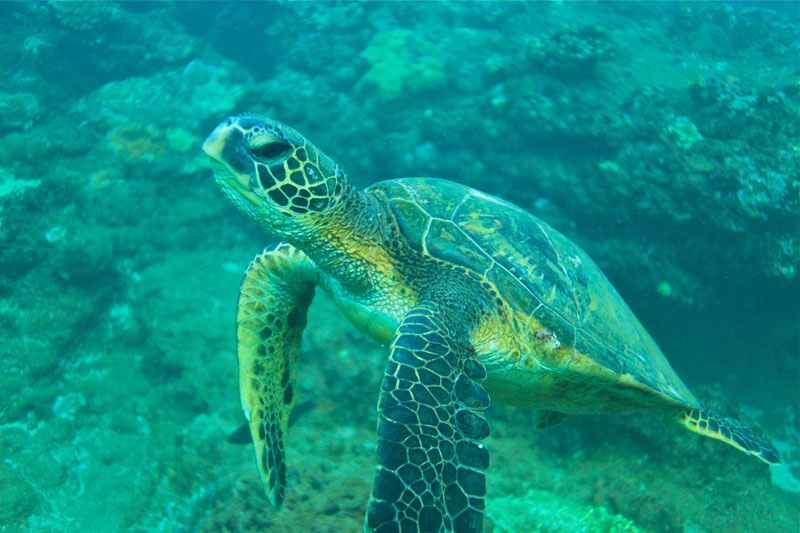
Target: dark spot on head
column 264, row 177
column 289, row 189
column 265, row 333
column 278, row 171
column 300, row 202
column 293, row 164
column 285, row 377
column 301, row 154
column 234, row 154
column 298, row 178
column 278, row 197
column 319, row 190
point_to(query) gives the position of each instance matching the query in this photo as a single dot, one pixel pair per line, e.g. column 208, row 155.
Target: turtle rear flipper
column 544, row 419
column 728, row 430
column 430, row 474
column 275, row 294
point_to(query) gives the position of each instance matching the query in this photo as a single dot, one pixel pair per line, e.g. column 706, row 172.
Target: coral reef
column 400, row 65
column 572, row 52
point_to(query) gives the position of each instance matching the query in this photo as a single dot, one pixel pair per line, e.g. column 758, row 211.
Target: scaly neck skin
column 346, row 241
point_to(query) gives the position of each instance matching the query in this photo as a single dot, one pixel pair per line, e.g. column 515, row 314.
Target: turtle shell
column 534, row 268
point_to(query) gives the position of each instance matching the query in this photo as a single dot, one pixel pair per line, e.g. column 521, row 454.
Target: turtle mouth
column 220, row 146
column 221, row 171
column 232, row 181
column 229, row 182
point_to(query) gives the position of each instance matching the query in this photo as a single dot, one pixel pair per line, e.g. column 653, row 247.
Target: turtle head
column 273, row 174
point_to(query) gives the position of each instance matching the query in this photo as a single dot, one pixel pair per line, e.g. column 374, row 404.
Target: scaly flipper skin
column 276, row 292
column 430, row 474
column 728, row 430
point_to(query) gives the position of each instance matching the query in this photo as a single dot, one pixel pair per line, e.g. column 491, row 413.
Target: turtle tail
column 728, row 430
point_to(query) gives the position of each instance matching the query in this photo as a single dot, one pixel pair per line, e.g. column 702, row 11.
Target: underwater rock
column 400, row 65
column 572, row 53
column 83, row 16
column 683, row 133
column 181, row 140
column 17, row 110
column 137, row 143
column 55, row 234
column 216, row 93
column 66, row 406
column 10, row 186
column 18, row 500
column 85, row 256
column 179, row 98
column 543, row 511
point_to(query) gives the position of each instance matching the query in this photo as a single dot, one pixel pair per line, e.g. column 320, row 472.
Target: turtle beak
column 223, row 146
column 214, row 144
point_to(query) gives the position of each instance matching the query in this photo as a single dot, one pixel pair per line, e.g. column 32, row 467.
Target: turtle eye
column 270, row 150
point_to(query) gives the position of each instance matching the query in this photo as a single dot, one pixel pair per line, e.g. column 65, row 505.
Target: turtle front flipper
column 430, row 472
column 728, row 430
column 275, row 294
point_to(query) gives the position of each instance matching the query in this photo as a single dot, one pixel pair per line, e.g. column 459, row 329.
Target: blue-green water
column 661, row 137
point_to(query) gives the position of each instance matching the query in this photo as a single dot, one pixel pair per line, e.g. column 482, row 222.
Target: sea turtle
column 475, row 298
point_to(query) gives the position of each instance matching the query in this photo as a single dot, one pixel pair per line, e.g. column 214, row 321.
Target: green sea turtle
column 474, row 297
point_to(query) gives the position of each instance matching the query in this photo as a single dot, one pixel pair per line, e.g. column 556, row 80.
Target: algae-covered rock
column 683, row 133
column 18, row 500
column 180, row 140
column 135, row 143
column 573, row 52
column 211, row 87
column 400, row 64
column 11, row 186
column 168, row 99
column 84, row 16
column 545, row 512
column 17, row 109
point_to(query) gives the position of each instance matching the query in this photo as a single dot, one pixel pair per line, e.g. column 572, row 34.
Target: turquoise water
column 661, row 137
